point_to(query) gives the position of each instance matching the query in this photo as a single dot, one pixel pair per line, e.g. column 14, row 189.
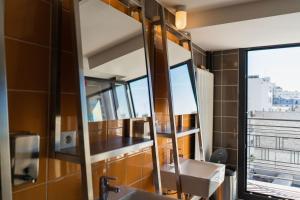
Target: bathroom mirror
column 114, row 63
column 181, row 69
column 112, row 89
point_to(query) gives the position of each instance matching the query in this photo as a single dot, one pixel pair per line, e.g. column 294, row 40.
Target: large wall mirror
column 176, row 55
column 114, row 63
column 115, row 70
column 114, row 108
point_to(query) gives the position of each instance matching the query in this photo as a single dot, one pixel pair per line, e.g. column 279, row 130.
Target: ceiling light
column 180, row 17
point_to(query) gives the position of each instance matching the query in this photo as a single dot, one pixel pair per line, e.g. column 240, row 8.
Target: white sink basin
column 127, row 193
column 197, row 177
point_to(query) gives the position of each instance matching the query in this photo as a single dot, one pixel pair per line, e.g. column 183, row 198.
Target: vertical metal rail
column 170, row 103
column 115, row 99
column 153, row 135
column 128, row 99
column 55, row 115
column 5, row 167
column 194, row 79
column 55, row 124
column 83, row 131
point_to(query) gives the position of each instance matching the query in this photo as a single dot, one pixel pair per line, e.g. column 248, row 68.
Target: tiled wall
column 27, row 37
column 225, row 66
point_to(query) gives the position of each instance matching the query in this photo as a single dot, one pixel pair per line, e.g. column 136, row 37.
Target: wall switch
column 67, row 139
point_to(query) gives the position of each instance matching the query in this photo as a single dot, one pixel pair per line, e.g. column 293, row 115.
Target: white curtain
column 205, row 81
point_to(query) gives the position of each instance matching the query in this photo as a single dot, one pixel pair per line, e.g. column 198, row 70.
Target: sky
column 281, row 65
column 182, row 91
column 140, row 97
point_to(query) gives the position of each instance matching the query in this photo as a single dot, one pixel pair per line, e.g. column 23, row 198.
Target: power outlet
column 67, row 139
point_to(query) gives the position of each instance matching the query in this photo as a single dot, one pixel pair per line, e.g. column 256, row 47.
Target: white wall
column 260, row 94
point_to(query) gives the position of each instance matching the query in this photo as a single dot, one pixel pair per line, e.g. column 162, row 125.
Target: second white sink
column 197, row 177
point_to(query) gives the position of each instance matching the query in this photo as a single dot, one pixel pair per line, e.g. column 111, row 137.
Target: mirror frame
column 139, row 4
column 83, row 111
column 55, row 106
column 165, row 26
column 5, row 162
column 193, row 77
column 153, row 135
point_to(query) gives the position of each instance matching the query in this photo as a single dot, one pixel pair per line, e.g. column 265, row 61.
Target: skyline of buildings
column 265, row 95
column 273, row 137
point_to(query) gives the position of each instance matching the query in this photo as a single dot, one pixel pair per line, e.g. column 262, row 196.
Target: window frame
column 242, row 138
column 112, row 88
column 190, row 67
column 131, row 95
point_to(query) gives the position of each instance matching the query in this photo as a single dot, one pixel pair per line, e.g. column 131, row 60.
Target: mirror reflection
column 180, row 62
column 114, row 63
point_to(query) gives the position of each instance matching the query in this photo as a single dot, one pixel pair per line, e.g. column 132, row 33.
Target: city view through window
column 273, row 123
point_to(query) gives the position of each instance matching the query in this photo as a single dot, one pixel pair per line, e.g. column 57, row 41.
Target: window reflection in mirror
column 139, row 90
column 184, row 100
column 114, row 63
column 183, row 95
column 122, row 102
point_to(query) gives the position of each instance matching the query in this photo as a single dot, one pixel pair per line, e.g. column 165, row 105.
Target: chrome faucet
column 105, row 188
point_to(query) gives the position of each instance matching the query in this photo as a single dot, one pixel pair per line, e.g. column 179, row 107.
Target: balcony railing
column 273, row 156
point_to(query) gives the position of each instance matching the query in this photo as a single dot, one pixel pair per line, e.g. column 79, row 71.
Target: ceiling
column 133, row 65
column 202, row 4
column 281, row 29
column 102, row 26
column 127, row 67
column 177, row 54
column 100, row 35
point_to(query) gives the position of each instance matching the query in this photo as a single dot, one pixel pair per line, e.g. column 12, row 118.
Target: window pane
column 140, row 97
column 273, row 122
column 94, row 109
column 122, row 104
column 183, row 94
column 101, row 107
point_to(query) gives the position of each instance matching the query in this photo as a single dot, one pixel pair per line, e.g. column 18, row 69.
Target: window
column 140, row 97
column 107, row 100
column 101, row 106
column 269, row 157
column 122, row 102
column 182, row 90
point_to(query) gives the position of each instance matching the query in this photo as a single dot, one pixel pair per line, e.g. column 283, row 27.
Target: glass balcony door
column 271, row 125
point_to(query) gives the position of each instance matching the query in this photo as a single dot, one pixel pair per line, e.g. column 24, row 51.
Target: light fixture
column 180, row 17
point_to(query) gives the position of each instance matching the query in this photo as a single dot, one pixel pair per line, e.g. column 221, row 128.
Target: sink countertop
column 124, row 191
column 127, row 193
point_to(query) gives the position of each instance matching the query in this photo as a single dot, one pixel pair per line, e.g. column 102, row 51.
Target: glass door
column 272, row 123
